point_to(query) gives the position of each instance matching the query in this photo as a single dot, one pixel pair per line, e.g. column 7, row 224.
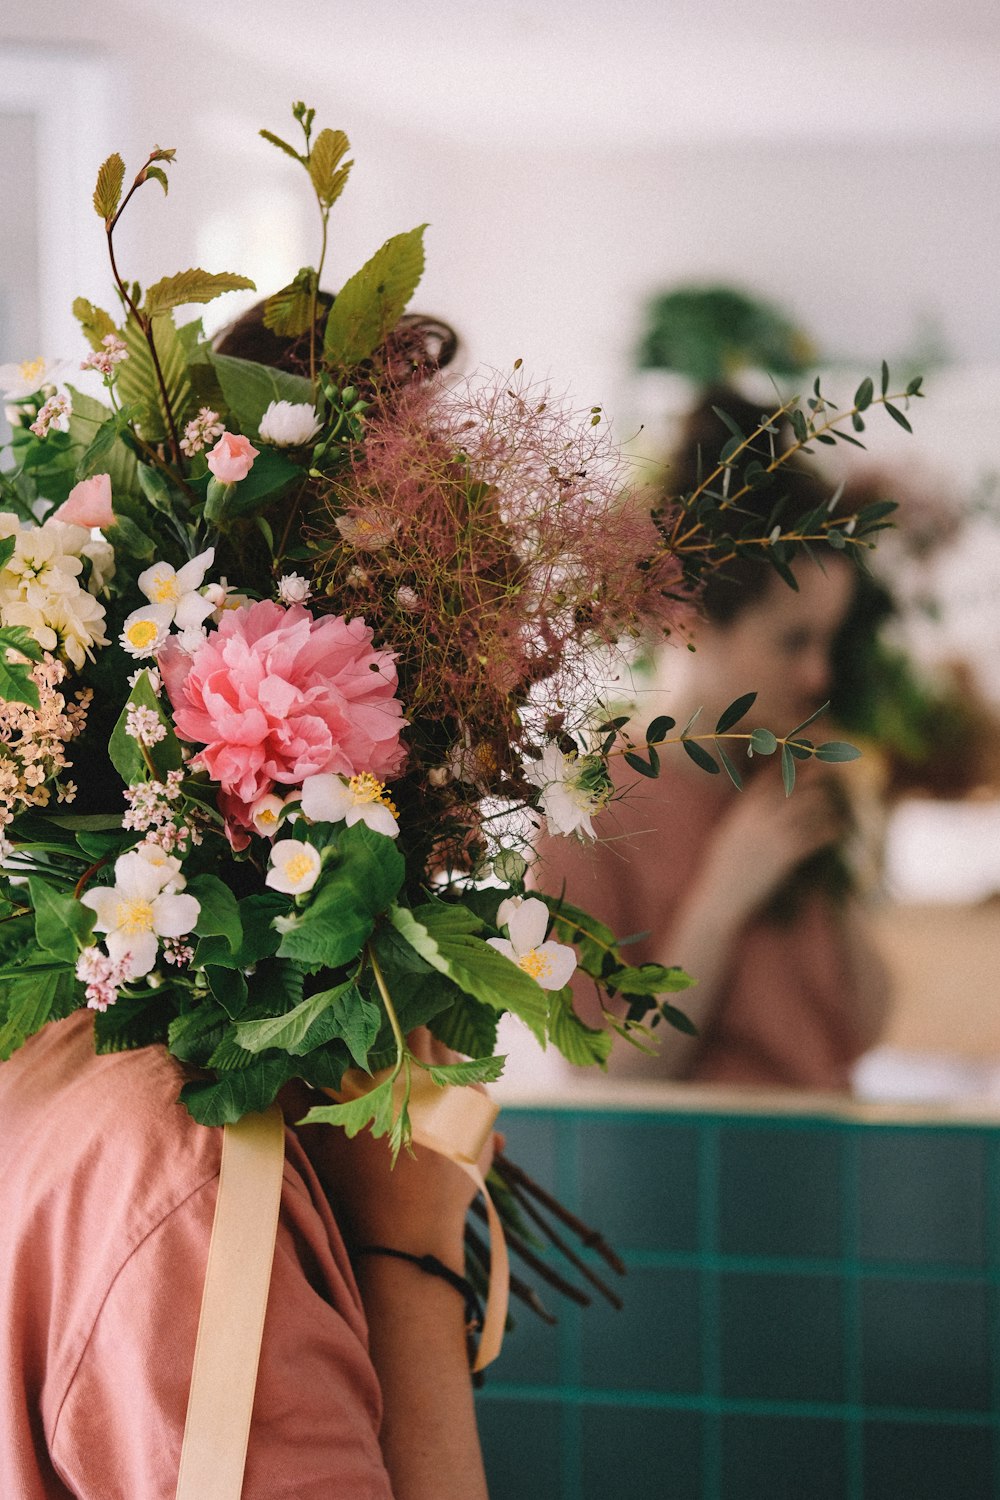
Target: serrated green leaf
column 327, row 168
column 238, row 1093
column 62, row 923
column 735, row 712
column 87, row 416
column 474, row 1070
column 30, row 999
column 137, row 383
column 374, row 1108
column 359, row 880
column 276, row 140
column 446, row 937
column 370, row 304
column 580, row 1044
column 219, row 915
column 648, row 979
column 249, row 388
column 594, row 942
column 94, row 321
column 286, row 1031
column 289, row 312
column 16, row 684
column 194, row 285
column 467, row 1027
column 108, row 192
column 132, row 1022
column 158, row 175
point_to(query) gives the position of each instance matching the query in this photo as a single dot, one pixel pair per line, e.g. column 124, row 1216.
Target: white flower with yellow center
column 143, row 905
column 268, row 812
column 551, row 964
column 567, row 800
column 19, row 381
column 176, row 589
column 145, row 630
column 40, row 588
column 294, row 867
column 362, row 799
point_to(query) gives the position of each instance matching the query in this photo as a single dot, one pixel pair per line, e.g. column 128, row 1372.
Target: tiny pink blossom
column 88, row 503
column 274, row 696
column 232, row 458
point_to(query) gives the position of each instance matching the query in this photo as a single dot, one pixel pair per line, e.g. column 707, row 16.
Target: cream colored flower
column 362, row 799
column 294, row 867
column 550, row 964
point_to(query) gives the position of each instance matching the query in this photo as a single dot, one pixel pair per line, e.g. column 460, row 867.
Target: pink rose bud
column 88, row 503
column 232, row 458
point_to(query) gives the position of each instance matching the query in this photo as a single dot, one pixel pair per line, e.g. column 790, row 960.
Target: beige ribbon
column 456, row 1122
column 237, row 1281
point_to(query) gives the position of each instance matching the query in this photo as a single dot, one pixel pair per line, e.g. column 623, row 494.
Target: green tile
column 925, row 1343
column 782, row 1337
column 918, row 1461
column 783, row 1458
column 522, row 1448
column 639, row 1183
column 532, row 1142
column 780, row 1191
column 530, row 1353
column 923, row 1196
column 653, row 1344
column 642, row 1453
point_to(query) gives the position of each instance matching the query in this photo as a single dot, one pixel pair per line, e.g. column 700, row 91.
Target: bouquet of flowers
column 297, row 655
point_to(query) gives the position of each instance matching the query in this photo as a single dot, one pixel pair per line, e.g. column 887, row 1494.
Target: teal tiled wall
column 812, row 1312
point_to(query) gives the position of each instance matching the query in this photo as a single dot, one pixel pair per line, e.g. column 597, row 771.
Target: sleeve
column 317, row 1407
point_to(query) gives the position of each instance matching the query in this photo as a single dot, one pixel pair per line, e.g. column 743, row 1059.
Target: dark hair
column 745, row 579
column 418, row 346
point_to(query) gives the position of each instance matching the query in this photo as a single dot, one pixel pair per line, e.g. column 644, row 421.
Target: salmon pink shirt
column 107, row 1193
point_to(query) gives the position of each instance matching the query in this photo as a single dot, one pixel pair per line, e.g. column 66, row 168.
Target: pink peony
column 275, row 695
column 88, row 503
column 232, row 458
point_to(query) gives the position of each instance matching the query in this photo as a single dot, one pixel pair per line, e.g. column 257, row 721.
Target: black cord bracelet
column 431, row 1266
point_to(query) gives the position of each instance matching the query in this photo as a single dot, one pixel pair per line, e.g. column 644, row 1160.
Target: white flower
column 19, row 381
column 142, row 906
column 102, row 563
column 289, row 424
column 177, row 589
column 330, row 799
column 152, row 677
column 145, row 630
column 223, row 597
column 567, row 802
column 40, row 588
column 266, row 812
column 551, row 964
column 294, row 589
column 294, row 867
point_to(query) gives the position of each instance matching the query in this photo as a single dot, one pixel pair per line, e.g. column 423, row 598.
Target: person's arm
column 752, row 849
column 416, row 1321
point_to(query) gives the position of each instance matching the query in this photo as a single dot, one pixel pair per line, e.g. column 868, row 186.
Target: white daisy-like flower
column 550, row 964
column 289, row 424
column 145, row 630
column 144, row 905
column 176, row 589
column 567, row 801
column 294, row 867
column 328, row 798
column 19, row 381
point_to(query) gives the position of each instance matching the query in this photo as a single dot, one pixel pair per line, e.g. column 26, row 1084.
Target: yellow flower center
column 135, row 916
column 367, row 788
column 534, row 963
column 268, row 815
column 32, row 368
column 143, row 633
column 165, row 590
column 298, row 868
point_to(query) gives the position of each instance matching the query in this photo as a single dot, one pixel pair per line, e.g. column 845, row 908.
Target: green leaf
column 359, row 880
column 446, row 937
column 288, row 1030
column 580, row 1044
column 63, row 924
column 249, row 388
column 94, row 321
column 7, row 546
column 474, row 1070
column 247, row 1091
column 125, row 752
column 645, row 768
column 35, row 996
column 897, row 416
column 108, row 191
column 835, row 750
column 659, row 729
column 87, row 415
column 129, row 540
column 137, row 383
column 219, row 915
column 272, row 472
column 864, row 393
column 16, row 685
column 289, row 312
column 467, row 1027
column 276, row 140
column 648, row 979
column 593, row 941
column 787, row 770
column 132, row 1022
column 192, row 286
column 678, row 1019
column 729, row 768
column 327, row 168
column 735, row 712
column 370, row 304
column 374, row 1108
column 763, row 742
column 700, row 756
column 885, row 378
